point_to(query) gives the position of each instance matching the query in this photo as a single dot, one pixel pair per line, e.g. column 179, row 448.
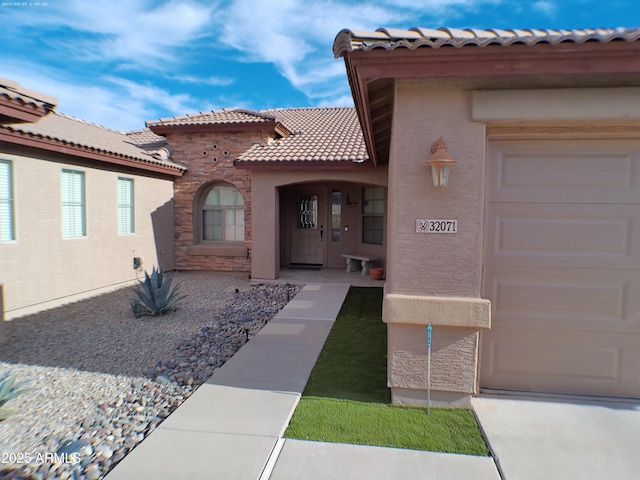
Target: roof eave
column 515, row 60
column 85, row 152
column 18, row 111
column 359, row 92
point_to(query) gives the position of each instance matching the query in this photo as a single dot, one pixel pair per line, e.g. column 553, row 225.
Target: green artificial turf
column 346, row 399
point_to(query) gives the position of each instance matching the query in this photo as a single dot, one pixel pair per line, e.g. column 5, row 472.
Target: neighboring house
column 78, row 203
column 545, row 128
column 252, row 191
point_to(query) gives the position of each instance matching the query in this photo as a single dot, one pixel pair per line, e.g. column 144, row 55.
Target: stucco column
column 434, row 278
column 265, row 255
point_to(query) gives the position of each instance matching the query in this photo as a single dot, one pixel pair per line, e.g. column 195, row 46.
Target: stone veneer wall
column 188, row 148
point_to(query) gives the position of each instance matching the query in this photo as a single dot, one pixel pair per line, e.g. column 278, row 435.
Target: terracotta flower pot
column 376, row 273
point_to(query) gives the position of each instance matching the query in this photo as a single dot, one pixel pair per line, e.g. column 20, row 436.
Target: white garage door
column 562, row 268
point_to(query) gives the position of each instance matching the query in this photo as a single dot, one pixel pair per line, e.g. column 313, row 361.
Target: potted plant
column 376, row 273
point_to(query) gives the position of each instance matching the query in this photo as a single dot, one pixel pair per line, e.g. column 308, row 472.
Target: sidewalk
column 232, row 426
column 571, row 438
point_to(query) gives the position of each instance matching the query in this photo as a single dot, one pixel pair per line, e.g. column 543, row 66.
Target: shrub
column 9, row 389
column 155, row 295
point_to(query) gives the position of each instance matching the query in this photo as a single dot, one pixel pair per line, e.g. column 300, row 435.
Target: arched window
column 223, row 215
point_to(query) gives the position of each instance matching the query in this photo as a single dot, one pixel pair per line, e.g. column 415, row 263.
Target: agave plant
column 9, row 389
column 155, row 295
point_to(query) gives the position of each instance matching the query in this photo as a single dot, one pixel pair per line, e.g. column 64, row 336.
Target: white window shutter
column 126, row 212
column 7, row 229
column 73, row 204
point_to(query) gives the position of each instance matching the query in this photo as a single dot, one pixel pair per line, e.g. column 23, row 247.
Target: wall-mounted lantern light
column 440, row 163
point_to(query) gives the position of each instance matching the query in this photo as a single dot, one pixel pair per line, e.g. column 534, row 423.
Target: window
column 308, row 211
column 7, row 227
column 125, row 206
column 73, row 204
column 336, row 214
column 373, row 215
column 223, row 215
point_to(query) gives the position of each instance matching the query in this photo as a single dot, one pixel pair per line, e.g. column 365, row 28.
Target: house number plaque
column 436, row 225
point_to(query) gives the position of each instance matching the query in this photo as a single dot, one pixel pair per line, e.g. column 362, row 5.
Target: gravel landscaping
column 100, row 380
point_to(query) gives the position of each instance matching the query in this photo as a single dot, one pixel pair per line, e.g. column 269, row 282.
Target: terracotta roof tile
column 318, row 134
column 147, row 140
column 64, row 130
column 214, row 117
column 15, row 92
column 390, row 39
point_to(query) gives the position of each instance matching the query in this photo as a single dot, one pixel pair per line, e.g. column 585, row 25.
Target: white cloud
column 95, row 46
column 340, row 101
column 425, row 4
column 212, row 81
column 152, row 97
column 116, row 103
column 297, row 36
column 142, row 33
column 546, row 7
column 111, row 56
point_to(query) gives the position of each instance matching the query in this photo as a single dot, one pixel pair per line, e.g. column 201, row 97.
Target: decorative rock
column 86, row 451
column 69, row 447
column 64, row 475
column 92, row 472
column 116, row 412
column 130, row 444
column 140, row 427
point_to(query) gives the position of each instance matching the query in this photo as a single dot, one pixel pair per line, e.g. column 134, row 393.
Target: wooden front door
column 307, row 245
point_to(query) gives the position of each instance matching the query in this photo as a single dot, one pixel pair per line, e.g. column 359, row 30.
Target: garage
column 562, row 267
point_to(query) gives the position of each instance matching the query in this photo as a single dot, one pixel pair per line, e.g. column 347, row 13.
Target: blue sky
column 122, row 62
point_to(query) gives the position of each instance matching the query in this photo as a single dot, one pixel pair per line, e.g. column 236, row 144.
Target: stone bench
column 355, row 262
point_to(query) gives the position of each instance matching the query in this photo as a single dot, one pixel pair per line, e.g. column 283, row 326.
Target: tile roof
column 226, row 116
column 318, row 134
column 147, row 140
column 392, row 38
column 62, row 130
column 15, row 92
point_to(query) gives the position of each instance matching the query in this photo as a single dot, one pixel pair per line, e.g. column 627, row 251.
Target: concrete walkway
column 535, row 437
column 232, row 426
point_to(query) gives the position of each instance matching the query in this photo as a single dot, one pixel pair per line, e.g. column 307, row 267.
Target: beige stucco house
column 538, row 288
column 532, row 284
column 78, row 202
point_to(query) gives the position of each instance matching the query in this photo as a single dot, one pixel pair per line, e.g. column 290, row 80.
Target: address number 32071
column 436, row 226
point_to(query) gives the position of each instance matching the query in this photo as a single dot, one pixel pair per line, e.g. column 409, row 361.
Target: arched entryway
column 321, row 221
